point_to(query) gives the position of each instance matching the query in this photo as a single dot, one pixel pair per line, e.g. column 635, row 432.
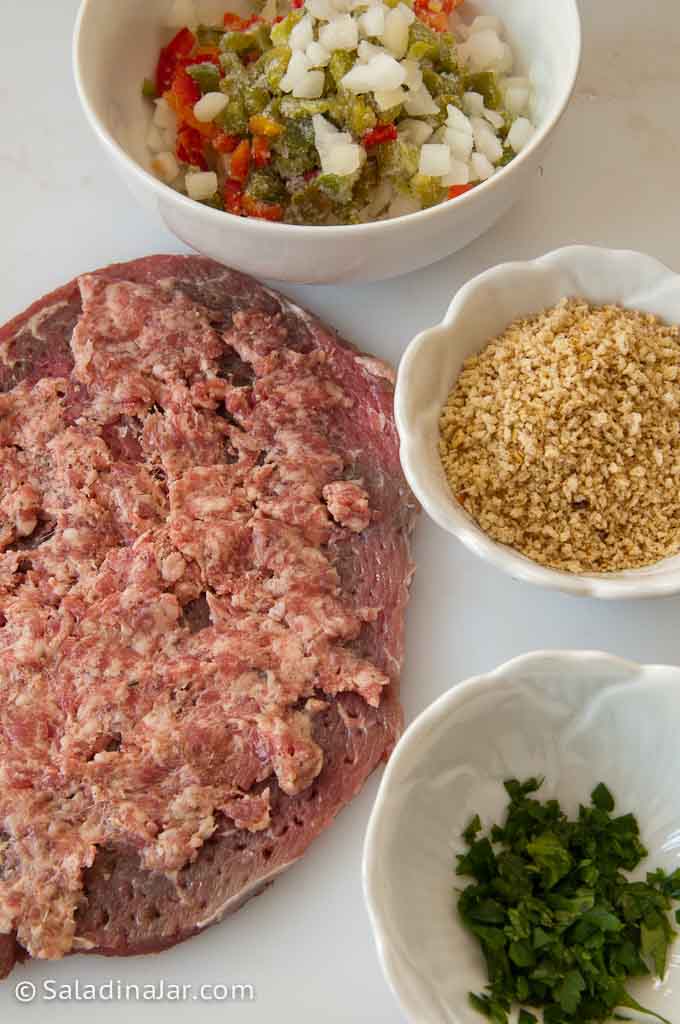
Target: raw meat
column 203, row 579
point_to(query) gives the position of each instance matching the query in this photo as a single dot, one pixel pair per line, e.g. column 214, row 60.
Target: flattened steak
column 204, row 569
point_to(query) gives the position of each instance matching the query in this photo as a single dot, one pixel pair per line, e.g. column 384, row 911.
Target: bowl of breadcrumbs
column 540, row 422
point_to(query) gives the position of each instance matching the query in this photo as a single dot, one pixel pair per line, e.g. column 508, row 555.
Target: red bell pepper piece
column 261, row 151
column 297, row 4
column 206, row 54
column 458, row 190
column 182, row 97
column 233, row 22
column 262, row 211
column 186, row 90
column 190, row 148
column 240, row 162
column 180, row 46
column 225, row 143
column 436, row 13
column 237, row 24
column 233, row 198
column 383, row 133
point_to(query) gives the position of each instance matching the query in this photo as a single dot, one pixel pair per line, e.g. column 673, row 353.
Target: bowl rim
column 602, row 586
column 445, row 705
column 215, row 217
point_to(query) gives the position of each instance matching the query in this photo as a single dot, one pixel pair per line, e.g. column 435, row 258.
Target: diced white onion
column 372, row 22
column 165, row 167
column 324, row 132
column 482, row 168
column 485, row 140
column 382, row 74
column 459, row 174
column 416, row 132
column 435, row 160
column 367, row 50
column 358, row 79
column 517, row 99
column 310, row 86
column 390, row 98
column 338, row 153
column 298, row 66
column 520, row 134
column 457, row 120
column 419, row 103
column 340, row 34
column 154, row 139
column 483, row 51
column 163, row 115
column 460, row 143
column 322, row 10
column 302, row 34
column 210, row 106
column 494, row 118
column 182, row 14
column 487, row 21
column 407, row 13
column 473, row 104
column 343, row 158
column 414, row 76
column 317, row 55
column 396, row 33
column 201, row 185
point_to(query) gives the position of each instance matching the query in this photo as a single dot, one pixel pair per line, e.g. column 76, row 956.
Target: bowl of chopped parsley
column 522, row 862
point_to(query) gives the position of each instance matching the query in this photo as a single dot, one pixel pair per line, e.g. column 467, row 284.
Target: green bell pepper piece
column 486, row 83
column 281, row 31
column 207, row 35
column 206, row 75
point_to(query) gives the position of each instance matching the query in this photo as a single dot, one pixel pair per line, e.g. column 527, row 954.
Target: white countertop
column 611, row 179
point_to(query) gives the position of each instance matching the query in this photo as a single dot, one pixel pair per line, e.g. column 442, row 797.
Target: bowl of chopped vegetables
column 523, row 854
column 327, row 140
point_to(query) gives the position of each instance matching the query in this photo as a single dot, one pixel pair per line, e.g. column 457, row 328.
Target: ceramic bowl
column 116, row 46
column 576, row 718
column 480, row 311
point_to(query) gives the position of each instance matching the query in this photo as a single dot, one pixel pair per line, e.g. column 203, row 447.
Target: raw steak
column 205, row 565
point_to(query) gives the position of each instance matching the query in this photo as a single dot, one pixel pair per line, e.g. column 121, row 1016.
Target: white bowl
column 115, row 47
column 576, row 718
column 480, row 311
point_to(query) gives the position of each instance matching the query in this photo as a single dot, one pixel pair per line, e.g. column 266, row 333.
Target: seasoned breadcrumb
column 562, row 438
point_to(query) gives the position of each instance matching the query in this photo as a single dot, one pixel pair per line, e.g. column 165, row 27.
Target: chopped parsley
column 561, row 927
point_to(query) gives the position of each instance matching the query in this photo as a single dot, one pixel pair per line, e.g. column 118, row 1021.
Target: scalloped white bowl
column 115, row 46
column 480, row 311
column 576, row 718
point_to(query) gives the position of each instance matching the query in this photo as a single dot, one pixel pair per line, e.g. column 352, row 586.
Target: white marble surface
column 611, row 179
